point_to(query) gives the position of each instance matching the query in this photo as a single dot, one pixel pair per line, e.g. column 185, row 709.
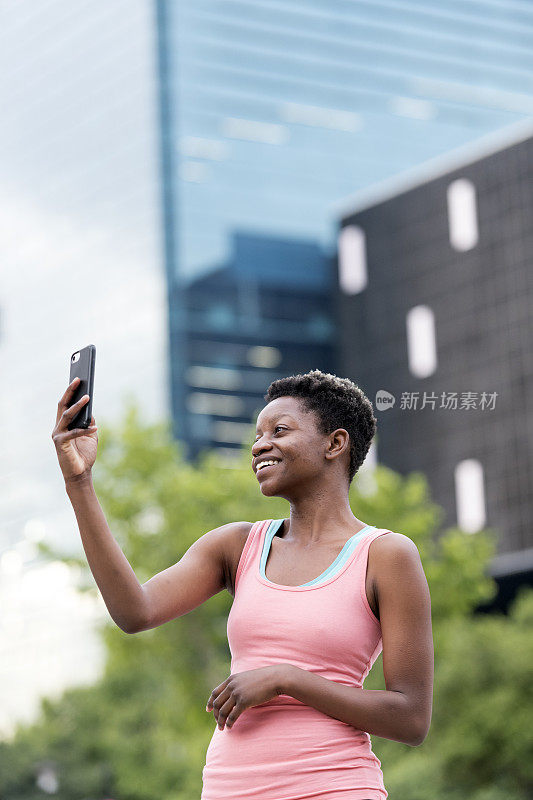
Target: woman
column 317, row 597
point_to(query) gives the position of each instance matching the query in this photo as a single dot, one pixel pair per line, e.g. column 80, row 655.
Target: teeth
column 265, row 464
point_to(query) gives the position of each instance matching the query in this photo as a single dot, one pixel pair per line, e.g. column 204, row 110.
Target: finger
column 71, row 412
column 234, row 713
column 225, row 710
column 232, row 716
column 215, row 693
column 220, row 701
column 64, row 437
column 69, row 391
column 67, row 409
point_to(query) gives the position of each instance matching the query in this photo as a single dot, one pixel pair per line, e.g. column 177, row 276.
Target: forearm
column 116, row 580
column 381, row 712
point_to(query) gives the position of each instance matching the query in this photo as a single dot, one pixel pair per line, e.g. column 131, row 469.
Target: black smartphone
column 82, row 364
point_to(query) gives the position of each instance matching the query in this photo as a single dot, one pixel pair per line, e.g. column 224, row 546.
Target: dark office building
column 435, row 307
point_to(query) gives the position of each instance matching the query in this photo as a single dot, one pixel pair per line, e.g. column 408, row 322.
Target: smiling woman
column 317, row 597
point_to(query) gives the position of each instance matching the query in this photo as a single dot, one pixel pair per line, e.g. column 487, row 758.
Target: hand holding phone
column 75, row 432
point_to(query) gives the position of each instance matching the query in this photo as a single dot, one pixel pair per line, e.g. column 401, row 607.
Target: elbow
column 140, row 622
column 126, row 629
column 419, row 733
column 131, row 626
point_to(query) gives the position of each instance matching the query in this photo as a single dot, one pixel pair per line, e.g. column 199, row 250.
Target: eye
column 275, row 429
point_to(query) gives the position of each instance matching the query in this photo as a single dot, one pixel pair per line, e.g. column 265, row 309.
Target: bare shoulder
column 392, row 558
column 391, row 547
column 233, row 538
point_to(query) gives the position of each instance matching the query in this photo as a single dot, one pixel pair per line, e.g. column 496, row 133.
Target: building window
column 220, row 317
column 225, row 405
column 470, row 495
column 462, row 214
column 320, row 328
column 263, row 356
column 214, row 377
column 352, row 259
column 232, row 432
column 421, row 347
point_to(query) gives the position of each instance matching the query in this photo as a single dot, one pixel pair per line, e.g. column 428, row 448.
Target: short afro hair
column 337, row 403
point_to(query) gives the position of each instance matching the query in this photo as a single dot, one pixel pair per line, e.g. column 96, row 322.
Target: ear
column 339, row 442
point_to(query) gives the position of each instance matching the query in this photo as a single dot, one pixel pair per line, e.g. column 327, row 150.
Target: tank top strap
column 367, row 540
column 251, row 547
column 373, row 534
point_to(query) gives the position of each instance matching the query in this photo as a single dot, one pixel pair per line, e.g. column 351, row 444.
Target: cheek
column 307, row 462
column 315, row 458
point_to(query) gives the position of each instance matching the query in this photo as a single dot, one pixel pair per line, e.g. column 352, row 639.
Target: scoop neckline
column 319, row 583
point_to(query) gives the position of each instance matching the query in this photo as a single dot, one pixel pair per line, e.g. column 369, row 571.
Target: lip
column 259, row 471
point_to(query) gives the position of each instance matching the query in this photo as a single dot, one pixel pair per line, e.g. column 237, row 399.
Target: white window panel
column 353, row 276
column 470, row 495
column 421, row 345
column 462, row 214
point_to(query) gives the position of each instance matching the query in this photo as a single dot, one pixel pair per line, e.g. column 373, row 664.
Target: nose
column 257, row 447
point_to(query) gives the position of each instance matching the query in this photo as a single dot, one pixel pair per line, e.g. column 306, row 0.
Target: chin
column 266, row 490
column 267, row 493
column 274, row 491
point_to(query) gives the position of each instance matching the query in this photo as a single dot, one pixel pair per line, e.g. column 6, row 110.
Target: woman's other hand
column 244, row 690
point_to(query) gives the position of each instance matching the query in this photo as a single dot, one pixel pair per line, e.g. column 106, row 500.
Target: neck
column 321, row 515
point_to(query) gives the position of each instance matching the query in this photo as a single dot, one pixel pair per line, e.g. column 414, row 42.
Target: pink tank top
column 284, row 749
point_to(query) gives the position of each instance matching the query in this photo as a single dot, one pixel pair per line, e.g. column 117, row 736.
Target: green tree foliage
column 141, row 732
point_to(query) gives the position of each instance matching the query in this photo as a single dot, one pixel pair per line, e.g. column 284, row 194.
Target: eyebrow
column 276, row 419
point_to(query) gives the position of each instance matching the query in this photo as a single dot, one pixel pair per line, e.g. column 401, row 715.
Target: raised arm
column 196, row 577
